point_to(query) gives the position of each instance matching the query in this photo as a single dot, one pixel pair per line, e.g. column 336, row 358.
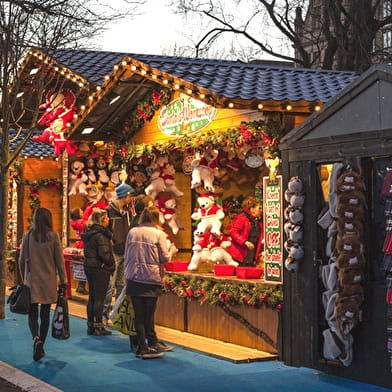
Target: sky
column 151, row 32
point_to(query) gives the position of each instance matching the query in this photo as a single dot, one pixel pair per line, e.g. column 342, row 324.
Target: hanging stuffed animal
column 209, row 213
column 77, row 178
column 167, row 172
column 102, row 172
column 205, row 169
column 169, row 215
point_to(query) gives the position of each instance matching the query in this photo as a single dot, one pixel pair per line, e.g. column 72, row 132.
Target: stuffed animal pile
column 293, row 226
column 343, row 275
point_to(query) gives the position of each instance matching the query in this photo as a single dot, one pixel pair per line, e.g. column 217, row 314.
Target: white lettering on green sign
column 185, row 116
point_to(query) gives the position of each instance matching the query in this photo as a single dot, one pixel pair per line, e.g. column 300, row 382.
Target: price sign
column 273, row 238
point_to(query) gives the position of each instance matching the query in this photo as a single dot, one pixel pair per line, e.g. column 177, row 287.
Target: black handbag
column 19, row 299
column 60, row 322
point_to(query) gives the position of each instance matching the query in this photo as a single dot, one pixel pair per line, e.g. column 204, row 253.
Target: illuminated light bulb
column 189, row 91
column 116, row 67
column 107, row 77
column 124, row 63
column 288, row 107
column 75, row 115
column 133, row 68
column 144, row 71
column 154, row 76
column 34, row 71
column 317, row 108
column 202, row 96
column 260, row 106
column 81, row 84
column 41, row 157
column 83, row 107
column 74, row 79
column 68, row 76
column 165, row 81
column 90, row 97
column 176, row 86
column 56, row 68
column 230, row 105
column 25, row 157
column 62, row 72
column 98, row 88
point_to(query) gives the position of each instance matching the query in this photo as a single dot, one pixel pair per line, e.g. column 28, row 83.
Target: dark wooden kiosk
column 354, row 129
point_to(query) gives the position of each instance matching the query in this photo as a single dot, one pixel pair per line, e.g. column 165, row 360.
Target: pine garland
column 216, row 292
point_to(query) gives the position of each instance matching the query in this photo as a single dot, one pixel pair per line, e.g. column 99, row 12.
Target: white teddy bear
column 168, row 214
column 168, row 172
column 209, row 213
column 205, row 169
column 77, row 178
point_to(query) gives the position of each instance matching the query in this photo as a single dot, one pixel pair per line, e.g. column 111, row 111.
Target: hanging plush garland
column 223, row 292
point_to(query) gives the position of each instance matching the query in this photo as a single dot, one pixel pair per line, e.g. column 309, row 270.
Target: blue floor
column 94, row 364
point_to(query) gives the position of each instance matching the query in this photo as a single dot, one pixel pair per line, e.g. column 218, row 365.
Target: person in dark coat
column 45, row 254
column 98, row 266
column 247, row 233
column 119, row 222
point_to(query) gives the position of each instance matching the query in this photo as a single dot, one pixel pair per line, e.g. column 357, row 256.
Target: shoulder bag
column 19, row 299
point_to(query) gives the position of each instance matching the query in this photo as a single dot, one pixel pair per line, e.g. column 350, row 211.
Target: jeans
column 144, row 308
column 44, row 318
column 116, row 284
column 98, row 281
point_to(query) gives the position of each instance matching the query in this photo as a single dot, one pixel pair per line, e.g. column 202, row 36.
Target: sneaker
column 38, row 350
column 148, row 353
column 161, row 347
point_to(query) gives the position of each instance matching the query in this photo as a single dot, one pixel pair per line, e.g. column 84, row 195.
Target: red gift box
column 176, row 265
column 249, row 272
column 224, row 270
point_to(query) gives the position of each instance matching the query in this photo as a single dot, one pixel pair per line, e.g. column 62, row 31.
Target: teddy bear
column 294, row 215
column 349, row 226
column 110, row 192
column 350, row 275
column 171, row 247
column 138, row 178
column 209, row 213
column 349, row 181
column 352, row 198
column 293, row 232
column 345, row 260
column 102, row 172
column 156, row 186
column 349, row 244
column 168, row 214
column 167, row 172
column 77, row 178
column 198, row 257
column 294, row 250
column 347, row 315
column 90, row 169
column 204, row 170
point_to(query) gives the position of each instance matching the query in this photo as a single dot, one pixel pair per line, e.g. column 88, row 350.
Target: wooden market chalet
column 129, row 110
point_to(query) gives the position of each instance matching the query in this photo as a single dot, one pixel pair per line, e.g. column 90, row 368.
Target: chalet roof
column 231, row 79
column 97, row 77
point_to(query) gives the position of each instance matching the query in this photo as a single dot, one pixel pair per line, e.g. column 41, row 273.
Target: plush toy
column 353, row 199
column 138, row 178
column 344, row 260
column 77, row 178
column 293, row 232
column 218, row 250
column 115, row 174
column 90, row 169
column 156, row 186
column 209, row 213
column 294, row 215
column 171, row 247
column 110, row 192
column 350, row 275
column 349, row 181
column 205, row 169
column 349, row 244
column 168, row 214
column 198, row 257
column 102, row 173
column 167, row 172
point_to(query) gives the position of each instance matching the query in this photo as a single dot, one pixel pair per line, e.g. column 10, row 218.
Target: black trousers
column 98, row 282
column 42, row 329
column 144, row 308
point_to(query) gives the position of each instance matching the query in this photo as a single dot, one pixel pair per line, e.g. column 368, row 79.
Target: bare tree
column 338, row 34
column 46, row 24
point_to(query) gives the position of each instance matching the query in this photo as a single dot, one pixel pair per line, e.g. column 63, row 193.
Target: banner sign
column 273, row 238
column 185, row 116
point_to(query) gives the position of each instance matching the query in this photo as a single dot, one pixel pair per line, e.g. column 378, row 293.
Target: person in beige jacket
column 41, row 247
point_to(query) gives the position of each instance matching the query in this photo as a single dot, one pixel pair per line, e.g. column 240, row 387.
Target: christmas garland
column 263, row 133
column 217, row 292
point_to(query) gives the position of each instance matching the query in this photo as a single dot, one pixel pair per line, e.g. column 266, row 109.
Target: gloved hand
column 62, row 288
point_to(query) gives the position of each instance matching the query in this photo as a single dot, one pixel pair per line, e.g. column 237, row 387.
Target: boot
column 90, row 328
column 99, row 330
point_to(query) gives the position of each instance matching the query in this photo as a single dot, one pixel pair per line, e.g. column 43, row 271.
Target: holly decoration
column 216, row 292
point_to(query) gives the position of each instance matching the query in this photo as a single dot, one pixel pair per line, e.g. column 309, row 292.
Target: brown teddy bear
column 349, row 226
column 349, row 181
column 347, row 315
column 349, row 244
column 350, row 212
column 350, row 276
column 353, row 198
column 345, row 260
column 351, row 292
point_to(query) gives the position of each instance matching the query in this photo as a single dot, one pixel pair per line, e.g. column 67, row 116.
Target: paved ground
column 6, row 386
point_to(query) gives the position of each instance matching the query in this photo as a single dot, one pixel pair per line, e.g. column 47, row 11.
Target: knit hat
column 122, row 190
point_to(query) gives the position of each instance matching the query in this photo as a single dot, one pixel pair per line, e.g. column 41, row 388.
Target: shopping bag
column 123, row 315
column 60, row 322
column 19, row 299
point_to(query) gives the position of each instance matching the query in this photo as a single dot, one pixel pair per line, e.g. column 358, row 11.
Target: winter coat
column 45, row 260
column 98, row 252
column 119, row 224
column 239, row 233
column 145, row 250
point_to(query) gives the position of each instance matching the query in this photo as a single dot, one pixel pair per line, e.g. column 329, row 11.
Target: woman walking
column 41, row 246
column 98, row 266
column 145, row 251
